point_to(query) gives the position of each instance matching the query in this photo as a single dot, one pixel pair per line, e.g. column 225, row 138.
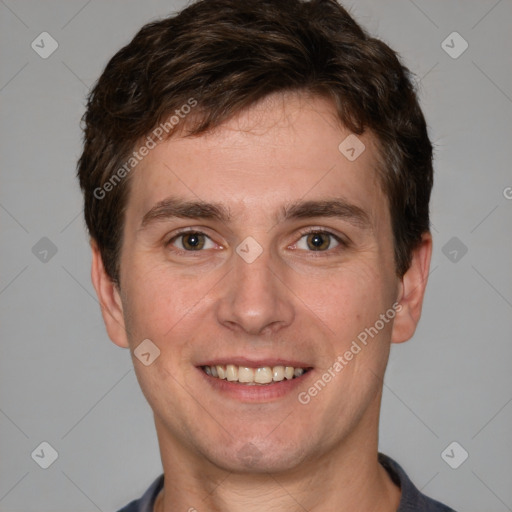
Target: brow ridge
column 338, row 207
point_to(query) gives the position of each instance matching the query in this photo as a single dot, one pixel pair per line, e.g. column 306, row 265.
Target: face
column 256, row 247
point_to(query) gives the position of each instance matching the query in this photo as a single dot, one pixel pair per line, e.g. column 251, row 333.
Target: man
column 256, row 179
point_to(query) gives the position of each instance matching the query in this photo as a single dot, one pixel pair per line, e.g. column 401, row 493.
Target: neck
column 346, row 477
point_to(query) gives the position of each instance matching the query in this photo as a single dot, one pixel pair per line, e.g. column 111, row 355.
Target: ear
column 411, row 291
column 110, row 300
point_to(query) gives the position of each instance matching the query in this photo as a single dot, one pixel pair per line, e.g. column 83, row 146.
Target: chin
column 257, row 456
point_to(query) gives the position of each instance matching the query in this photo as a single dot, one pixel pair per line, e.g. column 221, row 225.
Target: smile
column 253, row 376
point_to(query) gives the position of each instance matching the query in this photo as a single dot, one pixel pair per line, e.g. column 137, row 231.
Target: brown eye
column 191, row 241
column 318, row 241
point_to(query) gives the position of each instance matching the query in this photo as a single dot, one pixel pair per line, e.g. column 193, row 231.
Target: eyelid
column 340, row 239
column 184, row 231
column 326, row 231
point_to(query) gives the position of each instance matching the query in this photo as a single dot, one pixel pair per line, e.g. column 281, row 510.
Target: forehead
column 284, row 149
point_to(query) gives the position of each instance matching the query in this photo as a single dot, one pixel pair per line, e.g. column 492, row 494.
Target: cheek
column 161, row 308
column 159, row 301
column 347, row 298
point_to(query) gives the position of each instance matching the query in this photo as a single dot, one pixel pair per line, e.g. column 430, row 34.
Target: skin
column 223, row 452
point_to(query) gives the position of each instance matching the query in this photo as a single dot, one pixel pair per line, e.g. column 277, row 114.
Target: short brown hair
column 229, row 54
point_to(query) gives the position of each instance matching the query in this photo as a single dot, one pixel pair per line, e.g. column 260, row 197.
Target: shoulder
column 146, row 502
column 412, row 499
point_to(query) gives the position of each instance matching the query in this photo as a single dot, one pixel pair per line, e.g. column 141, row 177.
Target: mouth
column 254, row 376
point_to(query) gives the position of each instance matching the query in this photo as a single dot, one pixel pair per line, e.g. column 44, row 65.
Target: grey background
column 62, row 380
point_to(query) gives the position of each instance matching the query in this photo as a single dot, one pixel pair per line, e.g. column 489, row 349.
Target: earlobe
column 412, row 291
column 109, row 298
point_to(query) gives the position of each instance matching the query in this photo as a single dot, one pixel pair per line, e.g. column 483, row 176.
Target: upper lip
column 255, row 363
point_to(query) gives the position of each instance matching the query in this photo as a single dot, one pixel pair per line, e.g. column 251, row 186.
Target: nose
column 255, row 298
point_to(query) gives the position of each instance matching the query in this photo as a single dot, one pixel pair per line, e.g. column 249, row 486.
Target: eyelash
column 342, row 243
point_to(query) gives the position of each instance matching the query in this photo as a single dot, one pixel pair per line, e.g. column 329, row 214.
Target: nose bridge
column 255, row 298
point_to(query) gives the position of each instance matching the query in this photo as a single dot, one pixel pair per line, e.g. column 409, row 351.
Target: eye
column 191, row 241
column 319, row 241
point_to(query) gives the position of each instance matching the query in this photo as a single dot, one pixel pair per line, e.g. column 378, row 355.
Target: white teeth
column 278, row 373
column 247, row 375
column 231, row 372
column 263, row 375
column 221, row 371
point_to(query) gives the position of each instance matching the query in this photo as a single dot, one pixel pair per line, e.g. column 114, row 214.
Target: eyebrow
column 173, row 207
column 338, row 207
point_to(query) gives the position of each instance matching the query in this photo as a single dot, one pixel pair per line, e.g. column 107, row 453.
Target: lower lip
column 256, row 393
